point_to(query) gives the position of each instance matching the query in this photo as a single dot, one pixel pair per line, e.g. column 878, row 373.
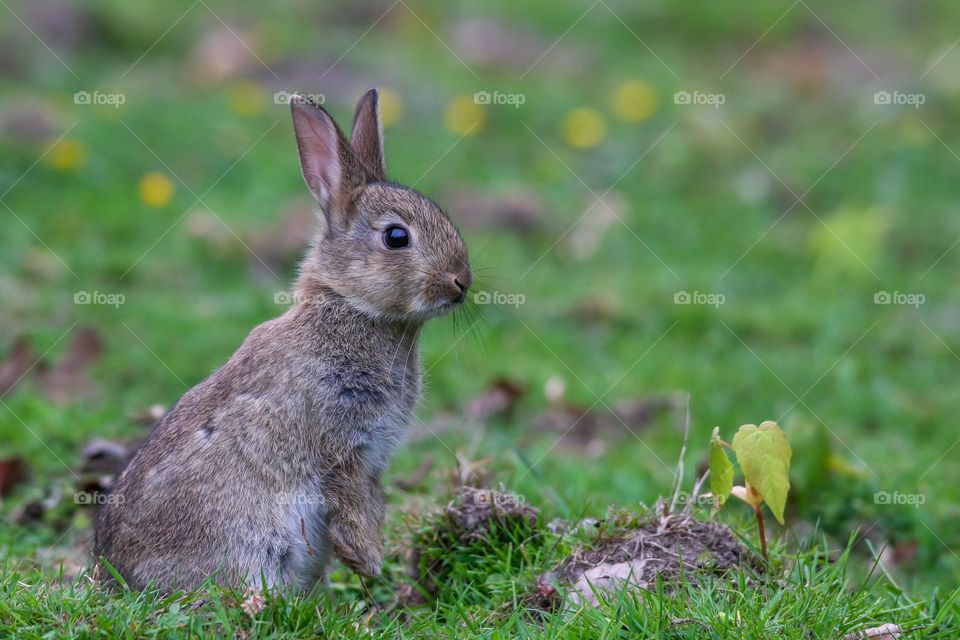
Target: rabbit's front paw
column 362, row 556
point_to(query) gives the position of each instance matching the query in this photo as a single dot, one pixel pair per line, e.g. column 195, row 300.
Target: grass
column 813, row 596
column 707, row 202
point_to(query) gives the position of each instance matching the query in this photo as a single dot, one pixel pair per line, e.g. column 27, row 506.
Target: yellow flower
column 246, row 99
column 584, row 128
column 634, row 101
column 155, row 189
column 67, row 155
column 391, row 107
column 464, row 116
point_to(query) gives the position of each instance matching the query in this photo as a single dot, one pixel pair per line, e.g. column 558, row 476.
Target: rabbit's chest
column 373, row 407
column 387, row 430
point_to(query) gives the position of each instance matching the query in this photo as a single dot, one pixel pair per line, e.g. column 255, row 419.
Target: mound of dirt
column 668, row 549
column 474, row 516
column 474, row 511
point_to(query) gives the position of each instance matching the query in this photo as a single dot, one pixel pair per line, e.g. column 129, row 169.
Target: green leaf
column 721, row 470
column 764, row 455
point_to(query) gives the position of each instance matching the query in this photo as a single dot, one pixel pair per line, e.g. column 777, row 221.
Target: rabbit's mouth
column 441, row 308
column 447, row 306
column 442, row 295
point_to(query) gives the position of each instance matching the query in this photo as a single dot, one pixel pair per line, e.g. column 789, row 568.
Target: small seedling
column 763, row 454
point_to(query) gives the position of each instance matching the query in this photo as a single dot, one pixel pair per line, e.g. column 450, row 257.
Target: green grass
column 813, row 596
column 865, row 392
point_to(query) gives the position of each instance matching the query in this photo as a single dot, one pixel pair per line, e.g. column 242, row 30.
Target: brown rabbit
column 273, row 462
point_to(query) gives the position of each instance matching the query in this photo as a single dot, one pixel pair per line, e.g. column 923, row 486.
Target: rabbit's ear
column 329, row 166
column 367, row 135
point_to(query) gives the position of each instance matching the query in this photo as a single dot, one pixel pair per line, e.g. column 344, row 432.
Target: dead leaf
column 106, row 456
column 35, row 510
column 559, row 526
column 888, row 631
column 472, row 473
column 608, row 577
column 753, row 185
column 282, row 244
column 807, row 66
column 483, row 41
column 578, row 428
column 18, row 363
column 895, row 554
column 150, row 415
column 103, row 462
column 640, row 412
column 517, row 209
column 672, row 549
column 598, row 309
column 554, row 389
column 224, row 52
column 815, row 63
column 497, row 402
column 586, row 431
column 30, row 122
column 13, row 471
column 599, row 217
column 359, row 15
column 253, row 601
column 442, row 423
column 905, row 552
column 41, row 265
column 66, row 380
column 65, row 23
column 203, row 225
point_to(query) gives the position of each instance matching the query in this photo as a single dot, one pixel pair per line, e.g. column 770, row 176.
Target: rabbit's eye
column 396, row 237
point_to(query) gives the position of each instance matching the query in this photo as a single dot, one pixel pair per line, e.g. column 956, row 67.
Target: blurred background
column 744, row 211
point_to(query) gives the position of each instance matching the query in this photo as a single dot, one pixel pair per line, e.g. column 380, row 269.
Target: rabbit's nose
column 462, row 282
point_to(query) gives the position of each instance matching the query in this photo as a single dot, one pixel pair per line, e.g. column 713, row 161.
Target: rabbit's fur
column 271, row 464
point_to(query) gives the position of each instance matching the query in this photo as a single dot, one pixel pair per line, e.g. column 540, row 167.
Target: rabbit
column 273, row 464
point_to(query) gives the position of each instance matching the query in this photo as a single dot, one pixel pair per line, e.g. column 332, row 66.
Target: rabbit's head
column 386, row 249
